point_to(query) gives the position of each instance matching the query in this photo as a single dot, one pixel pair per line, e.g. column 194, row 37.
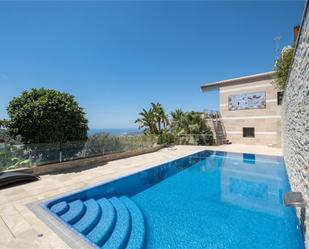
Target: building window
column 248, row 132
column 279, row 97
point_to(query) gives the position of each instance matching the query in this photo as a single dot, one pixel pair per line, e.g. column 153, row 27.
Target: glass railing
column 28, row 155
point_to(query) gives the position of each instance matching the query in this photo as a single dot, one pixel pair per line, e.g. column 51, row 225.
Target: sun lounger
column 7, row 178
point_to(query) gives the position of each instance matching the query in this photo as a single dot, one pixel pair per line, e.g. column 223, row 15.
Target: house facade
column 250, row 109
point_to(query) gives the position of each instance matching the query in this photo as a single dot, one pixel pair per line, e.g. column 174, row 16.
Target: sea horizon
column 115, row 131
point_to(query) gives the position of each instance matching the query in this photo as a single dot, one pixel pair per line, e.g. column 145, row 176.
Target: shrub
column 282, row 67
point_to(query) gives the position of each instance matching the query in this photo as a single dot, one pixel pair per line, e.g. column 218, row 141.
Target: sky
column 118, row 57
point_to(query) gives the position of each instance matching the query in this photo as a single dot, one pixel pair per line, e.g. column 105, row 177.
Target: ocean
column 116, row 131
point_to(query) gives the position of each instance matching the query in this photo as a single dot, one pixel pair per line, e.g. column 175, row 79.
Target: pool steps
column 90, row 218
column 138, row 231
column 120, row 235
column 60, row 208
column 75, row 212
column 107, row 223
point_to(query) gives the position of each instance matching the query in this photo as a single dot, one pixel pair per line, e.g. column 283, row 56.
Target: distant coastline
column 116, row 131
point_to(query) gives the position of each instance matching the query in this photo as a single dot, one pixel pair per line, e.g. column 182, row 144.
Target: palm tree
column 155, row 122
column 147, row 122
column 177, row 118
column 194, row 123
column 177, row 114
column 160, row 116
column 188, row 126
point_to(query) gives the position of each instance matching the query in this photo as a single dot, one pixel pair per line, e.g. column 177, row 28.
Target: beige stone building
column 250, row 109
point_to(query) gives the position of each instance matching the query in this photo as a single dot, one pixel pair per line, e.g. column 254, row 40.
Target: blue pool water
column 209, row 200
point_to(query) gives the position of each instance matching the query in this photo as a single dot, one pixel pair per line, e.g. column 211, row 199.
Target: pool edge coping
column 71, row 237
column 67, row 233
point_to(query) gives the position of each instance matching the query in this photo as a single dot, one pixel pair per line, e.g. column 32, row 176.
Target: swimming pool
column 209, row 200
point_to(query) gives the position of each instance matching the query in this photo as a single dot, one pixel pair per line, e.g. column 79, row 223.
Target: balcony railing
column 28, row 155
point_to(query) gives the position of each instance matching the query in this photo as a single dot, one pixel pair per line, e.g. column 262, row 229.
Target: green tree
column 160, row 116
column 155, row 123
column 282, row 67
column 183, row 124
column 147, row 121
column 4, row 135
column 46, row 116
column 178, row 117
column 190, row 127
column 154, row 120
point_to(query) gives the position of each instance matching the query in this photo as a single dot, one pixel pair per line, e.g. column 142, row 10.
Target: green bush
column 282, row 67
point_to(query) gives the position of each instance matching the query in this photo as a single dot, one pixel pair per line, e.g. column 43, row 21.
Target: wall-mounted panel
column 247, row 101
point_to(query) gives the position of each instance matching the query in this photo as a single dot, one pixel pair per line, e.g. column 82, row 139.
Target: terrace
column 21, row 228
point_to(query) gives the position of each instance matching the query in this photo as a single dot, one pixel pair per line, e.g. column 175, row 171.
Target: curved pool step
column 90, row 218
column 60, row 208
column 138, row 229
column 75, row 212
column 115, row 223
column 122, row 229
column 105, row 225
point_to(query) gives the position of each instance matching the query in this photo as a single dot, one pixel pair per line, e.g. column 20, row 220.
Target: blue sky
column 117, row 57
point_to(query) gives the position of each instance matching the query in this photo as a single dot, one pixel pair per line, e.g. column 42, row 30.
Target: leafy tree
column 46, row 116
column 2, row 123
column 4, row 135
column 282, row 67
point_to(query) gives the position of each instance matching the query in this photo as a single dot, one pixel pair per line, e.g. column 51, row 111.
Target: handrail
column 219, row 129
column 294, row 199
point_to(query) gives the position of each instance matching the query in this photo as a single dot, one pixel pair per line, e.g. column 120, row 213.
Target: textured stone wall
column 295, row 122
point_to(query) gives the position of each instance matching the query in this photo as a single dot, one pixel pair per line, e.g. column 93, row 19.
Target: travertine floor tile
column 21, row 229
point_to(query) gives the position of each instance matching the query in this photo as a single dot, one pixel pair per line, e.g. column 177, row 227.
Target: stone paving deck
column 21, row 228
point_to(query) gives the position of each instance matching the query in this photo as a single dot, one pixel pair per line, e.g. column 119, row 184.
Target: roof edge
column 243, row 79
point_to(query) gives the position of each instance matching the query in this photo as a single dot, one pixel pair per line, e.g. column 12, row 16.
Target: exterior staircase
column 115, row 223
column 214, row 120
